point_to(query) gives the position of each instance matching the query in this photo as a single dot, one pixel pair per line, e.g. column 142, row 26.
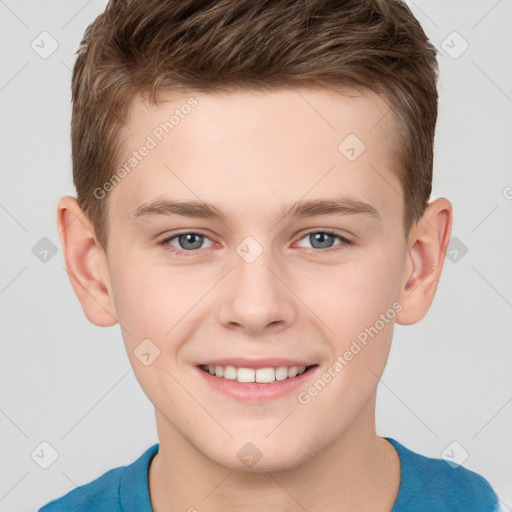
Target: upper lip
column 241, row 362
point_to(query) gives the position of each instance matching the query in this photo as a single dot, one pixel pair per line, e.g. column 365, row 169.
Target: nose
column 257, row 297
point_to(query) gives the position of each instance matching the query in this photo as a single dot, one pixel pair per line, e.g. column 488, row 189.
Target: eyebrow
column 310, row 208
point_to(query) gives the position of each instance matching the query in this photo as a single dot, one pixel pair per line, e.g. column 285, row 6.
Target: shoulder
column 432, row 484
column 108, row 491
column 100, row 494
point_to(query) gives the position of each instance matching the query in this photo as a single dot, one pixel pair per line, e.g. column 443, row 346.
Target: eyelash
column 182, row 253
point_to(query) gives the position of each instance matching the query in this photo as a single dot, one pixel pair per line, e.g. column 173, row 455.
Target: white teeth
column 230, row 372
column 292, row 371
column 261, row 375
column 265, row 375
column 281, row 373
column 245, row 375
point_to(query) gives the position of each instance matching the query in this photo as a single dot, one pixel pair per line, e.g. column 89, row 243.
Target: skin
column 251, row 154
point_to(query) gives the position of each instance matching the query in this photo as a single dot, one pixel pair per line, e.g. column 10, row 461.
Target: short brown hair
column 145, row 47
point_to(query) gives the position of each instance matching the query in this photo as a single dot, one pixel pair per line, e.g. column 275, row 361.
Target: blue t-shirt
column 427, row 485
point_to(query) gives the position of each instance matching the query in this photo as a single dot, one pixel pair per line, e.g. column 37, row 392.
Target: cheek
column 360, row 315
column 150, row 298
column 153, row 303
column 352, row 297
column 359, row 304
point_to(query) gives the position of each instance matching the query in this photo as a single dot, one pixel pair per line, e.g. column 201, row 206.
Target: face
column 258, row 231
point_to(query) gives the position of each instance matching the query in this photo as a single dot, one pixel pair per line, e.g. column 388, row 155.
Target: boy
column 294, row 140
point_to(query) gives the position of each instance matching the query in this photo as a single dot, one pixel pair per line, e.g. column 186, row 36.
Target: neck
column 360, row 472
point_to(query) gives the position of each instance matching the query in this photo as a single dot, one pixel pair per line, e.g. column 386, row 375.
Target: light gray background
column 69, row 383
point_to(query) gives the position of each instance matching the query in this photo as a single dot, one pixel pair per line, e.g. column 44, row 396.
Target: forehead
column 251, row 148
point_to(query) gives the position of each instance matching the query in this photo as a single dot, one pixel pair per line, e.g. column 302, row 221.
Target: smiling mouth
column 265, row 375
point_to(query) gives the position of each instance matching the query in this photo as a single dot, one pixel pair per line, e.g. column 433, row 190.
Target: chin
column 254, row 458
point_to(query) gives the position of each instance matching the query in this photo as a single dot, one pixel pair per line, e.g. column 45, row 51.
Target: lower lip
column 256, row 391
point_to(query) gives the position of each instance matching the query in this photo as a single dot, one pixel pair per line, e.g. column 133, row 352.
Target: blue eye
column 190, row 242
column 321, row 239
column 322, row 242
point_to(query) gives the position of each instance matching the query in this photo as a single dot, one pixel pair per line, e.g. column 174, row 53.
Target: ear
column 86, row 263
column 427, row 245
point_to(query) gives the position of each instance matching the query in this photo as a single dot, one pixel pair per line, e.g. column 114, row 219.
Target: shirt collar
column 134, row 486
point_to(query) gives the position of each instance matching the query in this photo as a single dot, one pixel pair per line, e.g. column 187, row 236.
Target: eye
column 322, row 241
column 186, row 243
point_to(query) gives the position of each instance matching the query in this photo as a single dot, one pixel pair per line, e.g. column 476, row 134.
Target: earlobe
column 86, row 263
column 426, row 255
